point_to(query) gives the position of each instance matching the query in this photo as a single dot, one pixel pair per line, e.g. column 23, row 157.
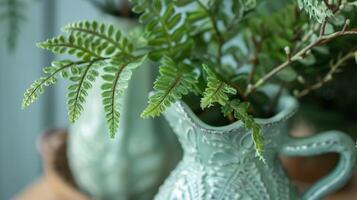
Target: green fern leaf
column 239, row 7
column 94, row 44
column 249, row 4
column 217, row 91
column 116, row 79
column 82, row 48
column 316, row 9
column 240, row 111
column 109, row 37
column 37, row 88
column 78, row 91
column 166, row 28
column 170, row 86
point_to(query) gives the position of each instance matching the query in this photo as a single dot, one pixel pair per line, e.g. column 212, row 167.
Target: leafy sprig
column 37, row 88
column 107, row 36
column 217, row 91
column 116, row 78
column 77, row 92
column 172, row 83
column 165, row 27
column 316, row 9
column 100, row 48
column 240, row 111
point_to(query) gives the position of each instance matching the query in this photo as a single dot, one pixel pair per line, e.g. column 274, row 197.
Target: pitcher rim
column 286, row 108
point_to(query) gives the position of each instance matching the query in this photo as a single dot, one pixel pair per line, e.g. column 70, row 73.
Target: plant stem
column 323, row 27
column 328, row 77
column 298, row 56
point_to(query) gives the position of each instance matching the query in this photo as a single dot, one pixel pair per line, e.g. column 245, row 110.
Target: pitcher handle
column 331, row 141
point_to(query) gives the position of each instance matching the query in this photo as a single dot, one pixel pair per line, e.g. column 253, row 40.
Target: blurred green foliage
column 12, row 16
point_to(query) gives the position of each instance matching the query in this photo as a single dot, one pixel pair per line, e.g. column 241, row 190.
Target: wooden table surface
column 40, row 189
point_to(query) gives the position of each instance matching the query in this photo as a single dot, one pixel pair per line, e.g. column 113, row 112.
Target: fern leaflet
column 217, row 91
column 170, row 86
column 240, row 111
column 96, row 45
column 116, row 79
column 37, row 88
column 83, row 48
column 315, row 9
column 109, row 37
column 166, row 28
column 77, row 92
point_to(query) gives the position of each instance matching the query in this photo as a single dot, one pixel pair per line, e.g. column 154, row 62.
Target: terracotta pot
column 53, row 148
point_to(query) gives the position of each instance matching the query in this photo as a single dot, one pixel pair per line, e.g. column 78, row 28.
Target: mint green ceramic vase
column 219, row 163
column 130, row 166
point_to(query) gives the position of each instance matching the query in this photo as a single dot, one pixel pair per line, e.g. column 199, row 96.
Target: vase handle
column 331, row 141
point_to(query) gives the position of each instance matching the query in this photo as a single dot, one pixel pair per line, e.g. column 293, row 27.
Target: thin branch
column 298, row 56
column 328, row 77
column 323, row 27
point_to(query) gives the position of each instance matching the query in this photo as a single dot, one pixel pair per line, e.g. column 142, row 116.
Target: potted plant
column 213, row 60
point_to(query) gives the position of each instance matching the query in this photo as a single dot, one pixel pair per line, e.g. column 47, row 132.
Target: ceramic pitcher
column 219, row 163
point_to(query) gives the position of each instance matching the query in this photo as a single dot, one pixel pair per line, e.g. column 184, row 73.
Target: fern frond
column 316, row 9
column 77, row 92
column 248, row 4
column 172, row 83
column 82, row 48
column 37, row 88
column 116, row 79
column 239, row 7
column 166, row 28
column 240, row 111
column 109, row 37
column 96, row 45
column 217, row 91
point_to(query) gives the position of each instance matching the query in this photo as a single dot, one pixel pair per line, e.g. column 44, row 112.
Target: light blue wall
column 19, row 161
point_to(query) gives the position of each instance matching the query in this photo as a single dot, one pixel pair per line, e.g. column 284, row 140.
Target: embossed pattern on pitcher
column 221, row 164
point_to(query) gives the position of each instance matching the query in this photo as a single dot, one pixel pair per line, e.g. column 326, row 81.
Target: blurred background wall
column 19, row 160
